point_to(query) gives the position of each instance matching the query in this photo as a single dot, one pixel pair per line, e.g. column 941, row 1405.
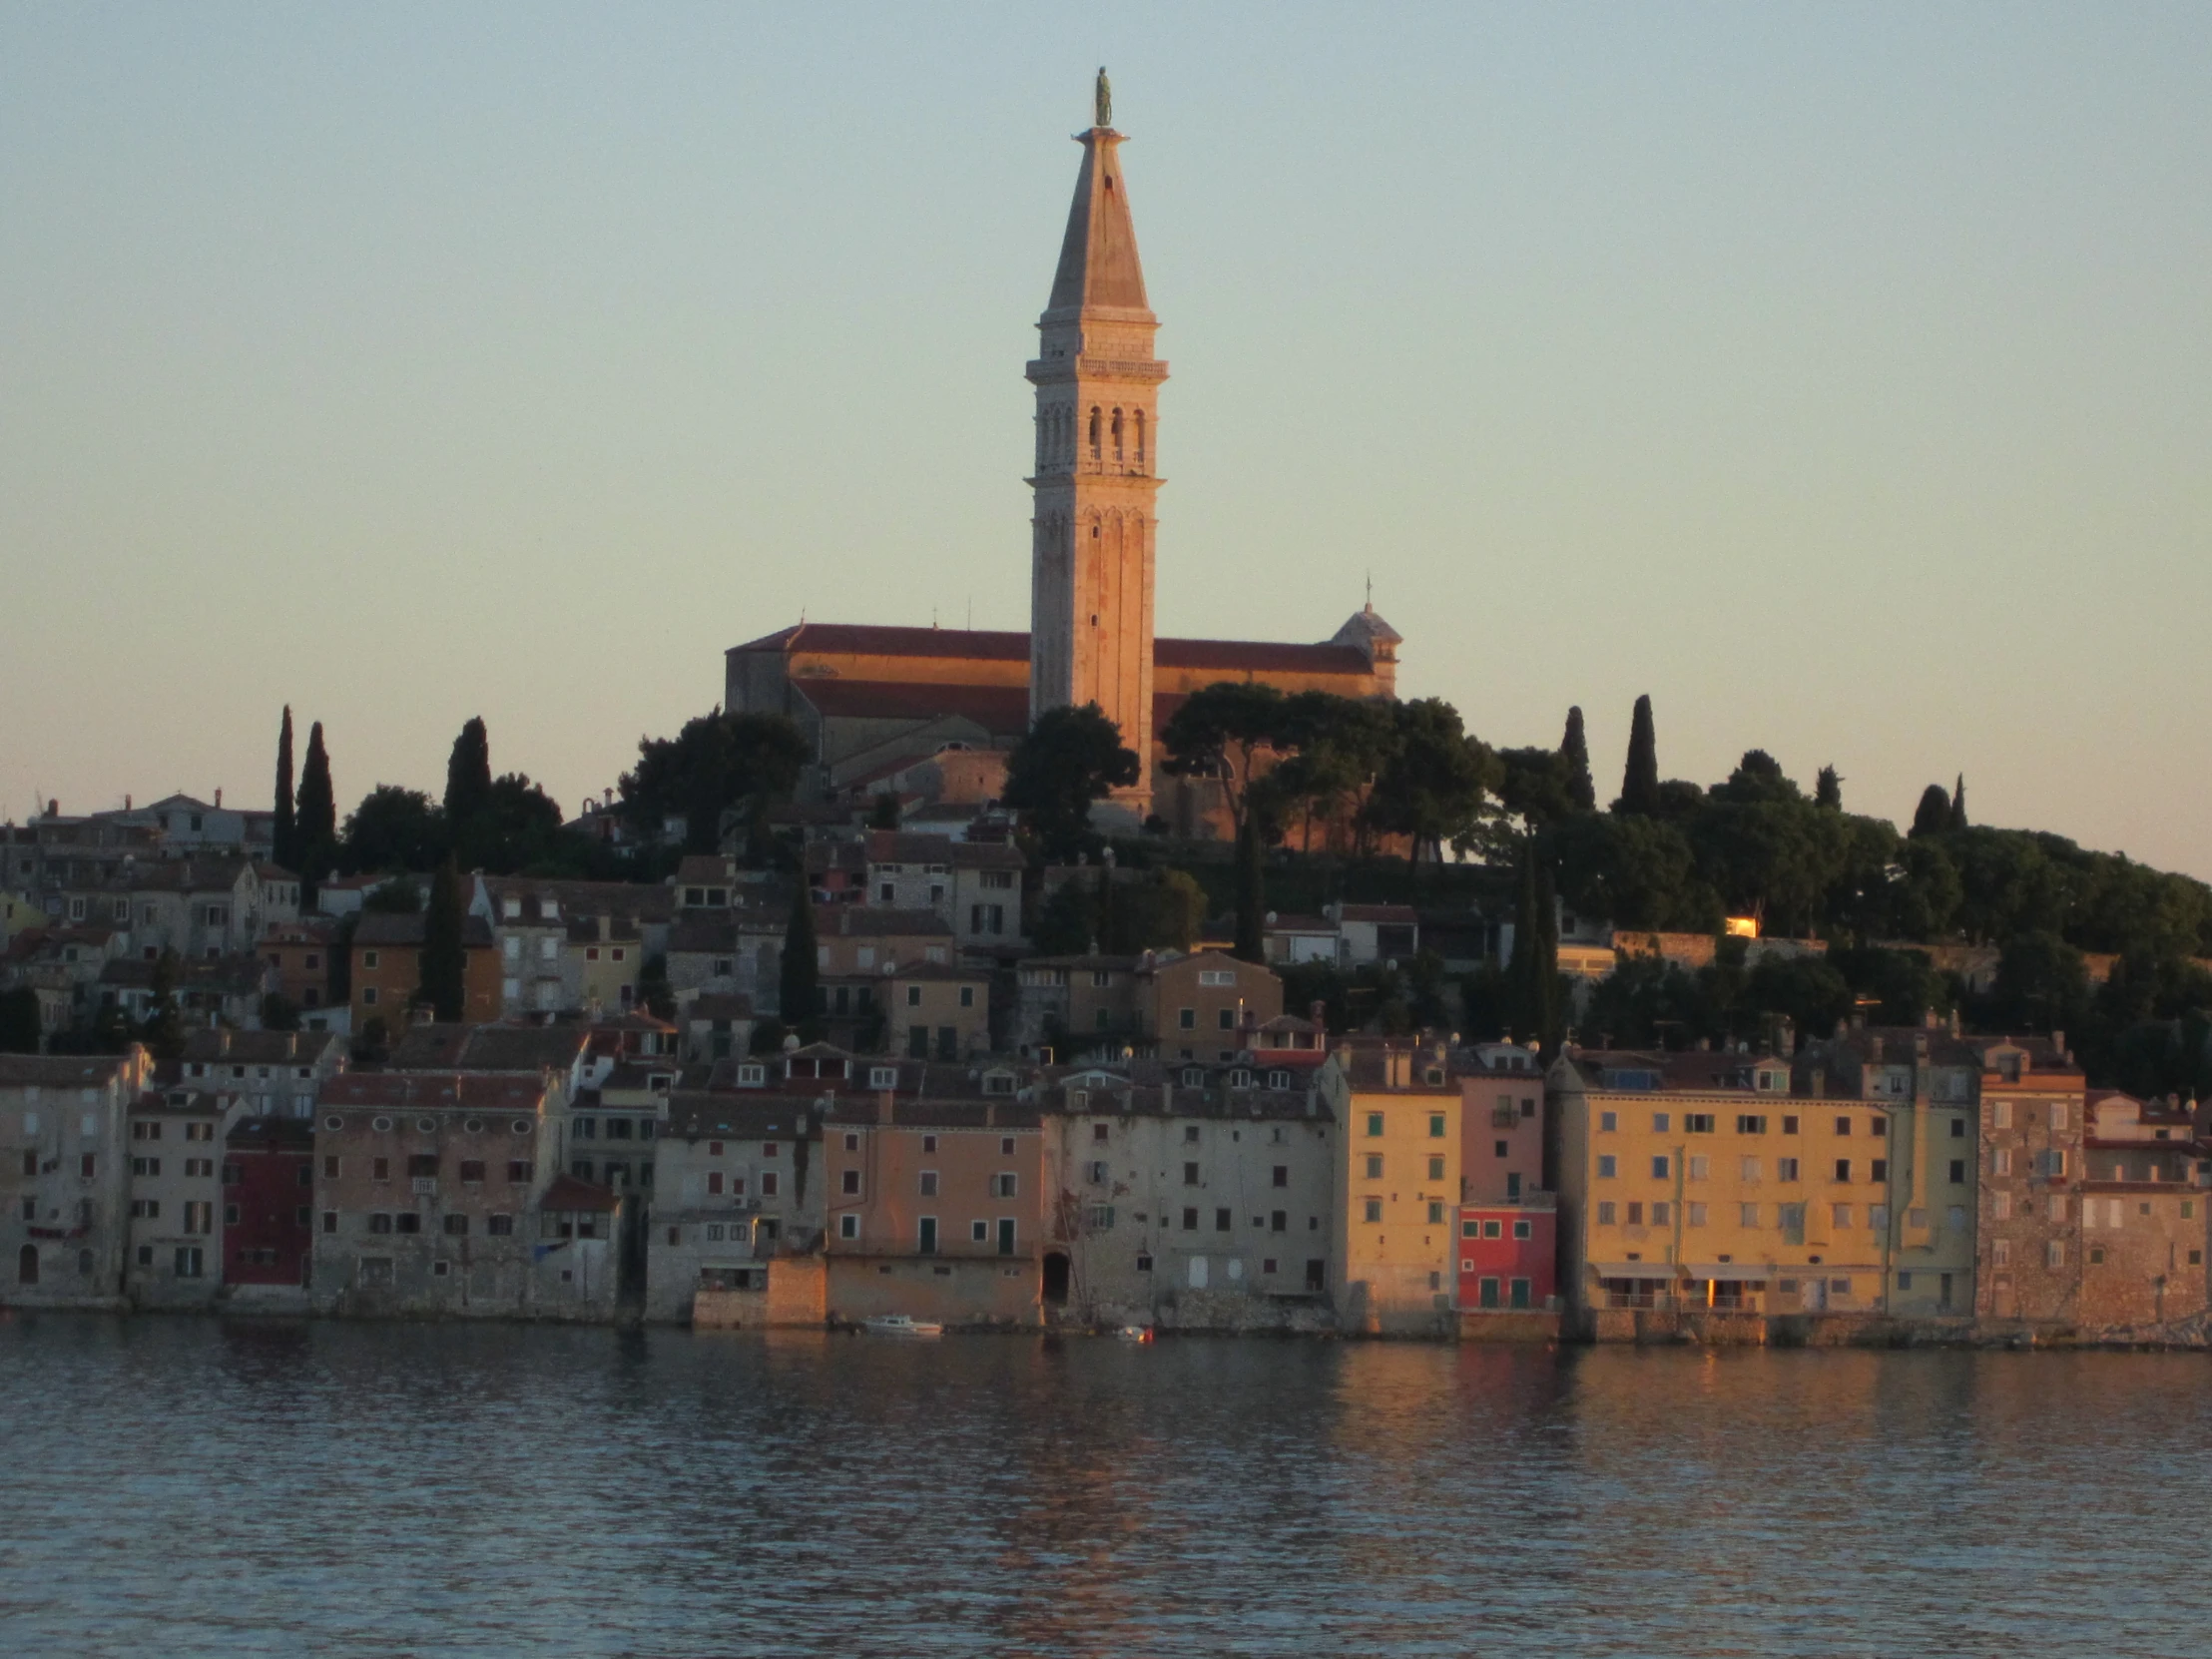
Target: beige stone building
column 64, row 1174
column 1396, row 1181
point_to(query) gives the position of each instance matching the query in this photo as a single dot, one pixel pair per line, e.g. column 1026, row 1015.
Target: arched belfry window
column 1140, row 437
column 1095, row 451
column 1117, row 435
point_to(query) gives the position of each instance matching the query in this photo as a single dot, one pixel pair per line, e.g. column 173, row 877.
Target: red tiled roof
column 568, row 1195
column 490, row 1091
column 864, row 639
column 1260, row 657
column 997, row 709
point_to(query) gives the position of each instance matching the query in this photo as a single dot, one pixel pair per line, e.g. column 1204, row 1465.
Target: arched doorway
column 26, row 1265
column 1055, row 1278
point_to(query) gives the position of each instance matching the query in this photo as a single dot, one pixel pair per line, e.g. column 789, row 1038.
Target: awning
column 1632, row 1270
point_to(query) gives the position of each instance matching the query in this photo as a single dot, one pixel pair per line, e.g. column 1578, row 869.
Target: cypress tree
column 1108, row 932
column 1828, row 790
column 1574, row 748
column 1533, row 974
column 798, row 984
column 1640, row 784
column 317, row 825
column 468, row 775
column 1933, row 816
column 284, row 849
column 1252, row 892
column 445, row 958
column 1958, row 818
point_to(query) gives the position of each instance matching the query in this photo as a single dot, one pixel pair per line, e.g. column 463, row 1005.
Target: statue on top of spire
column 1102, row 100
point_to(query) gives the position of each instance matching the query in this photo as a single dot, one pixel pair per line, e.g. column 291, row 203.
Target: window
column 1635, row 1213
column 406, row 1221
column 2000, row 1253
column 1375, row 1166
column 1608, row 1121
column 1605, row 1166
column 2000, row 1206
column 2054, row 1254
column 1660, row 1123
column 1751, row 1124
column 1373, row 1209
column 1190, row 1175
column 1747, row 1215
column 1697, row 1123
column 767, row 1183
column 1786, row 1169
column 2001, row 1114
column 1279, row 1221
column 1701, row 1167
column 1659, row 1167
column 456, row 1227
column 1375, row 1123
column 1187, row 1019
column 1789, row 1124
column 1222, row 1222
column 1841, row 1215
column 380, row 1221
column 852, row 1183
column 1003, row 1184
column 1435, row 1169
column 848, row 1226
column 1280, row 1176
column 1605, row 1214
column 2000, row 1160
column 1843, row 1169
column 1958, row 1172
column 1880, row 1170
column 472, row 1170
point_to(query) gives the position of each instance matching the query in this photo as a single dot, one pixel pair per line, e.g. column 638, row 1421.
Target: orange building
column 388, row 970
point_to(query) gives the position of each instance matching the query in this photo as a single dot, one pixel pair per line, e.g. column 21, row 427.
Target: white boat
column 901, row 1325
column 1135, row 1332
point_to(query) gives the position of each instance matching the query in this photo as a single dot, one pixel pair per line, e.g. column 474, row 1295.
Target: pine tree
column 1828, row 790
column 284, row 849
column 798, row 984
column 1640, row 785
column 444, row 958
column 1252, row 892
column 1574, row 748
column 468, row 776
column 1933, row 816
column 1958, row 803
column 317, row 825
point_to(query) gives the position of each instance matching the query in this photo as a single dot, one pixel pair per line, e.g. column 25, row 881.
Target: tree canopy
column 719, row 771
column 1071, row 759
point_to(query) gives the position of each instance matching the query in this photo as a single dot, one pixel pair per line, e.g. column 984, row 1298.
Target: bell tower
column 1097, row 460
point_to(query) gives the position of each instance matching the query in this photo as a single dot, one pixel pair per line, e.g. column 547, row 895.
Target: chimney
column 2058, row 1043
column 884, row 1102
column 1818, row 1082
column 126, row 803
column 218, row 797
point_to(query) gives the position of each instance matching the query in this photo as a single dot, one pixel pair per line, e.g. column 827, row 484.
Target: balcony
column 425, row 1186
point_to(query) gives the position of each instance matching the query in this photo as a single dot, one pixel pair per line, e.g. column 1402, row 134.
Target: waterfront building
column 733, row 1205
column 2144, row 1218
column 64, row 1181
column 436, row 1194
column 1509, row 1254
column 2032, row 1103
column 931, row 1196
column 1194, row 1197
column 1395, row 1183
column 268, row 1211
column 175, row 1239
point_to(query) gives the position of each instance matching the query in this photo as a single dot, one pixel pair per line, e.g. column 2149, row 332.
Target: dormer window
column 999, row 1082
column 1278, row 1079
column 1193, row 1078
column 550, row 909
column 512, row 909
column 882, row 1077
column 752, row 1075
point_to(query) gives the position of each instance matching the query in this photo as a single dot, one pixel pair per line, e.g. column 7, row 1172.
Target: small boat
column 1136, row 1334
column 901, row 1325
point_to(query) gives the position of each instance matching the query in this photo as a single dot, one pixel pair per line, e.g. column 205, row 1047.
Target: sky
column 1839, row 377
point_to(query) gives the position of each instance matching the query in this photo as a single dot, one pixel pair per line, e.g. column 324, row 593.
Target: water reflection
column 194, row 1487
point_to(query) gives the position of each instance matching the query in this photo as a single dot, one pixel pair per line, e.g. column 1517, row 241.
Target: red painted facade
column 267, row 1201
column 1508, row 1255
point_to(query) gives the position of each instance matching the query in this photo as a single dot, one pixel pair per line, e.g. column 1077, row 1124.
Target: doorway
column 1055, row 1278
column 26, row 1265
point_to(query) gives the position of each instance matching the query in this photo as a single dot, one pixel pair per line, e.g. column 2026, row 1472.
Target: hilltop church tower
column 1098, row 446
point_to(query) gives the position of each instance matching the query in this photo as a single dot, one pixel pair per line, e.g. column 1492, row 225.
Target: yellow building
column 1696, row 1183
column 1396, row 1176
column 934, row 1010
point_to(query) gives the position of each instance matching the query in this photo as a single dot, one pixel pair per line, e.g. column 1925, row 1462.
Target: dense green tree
column 1251, row 893
column 1925, row 894
column 444, row 958
column 1905, row 988
column 1066, row 923
column 1434, row 786
column 1162, row 911
column 1811, row 993
column 518, row 829
column 1828, row 790
column 19, row 1021
column 1758, row 777
column 1640, row 873
column 393, row 830
column 468, row 773
column 396, row 897
column 316, row 824
column 654, row 989
column 884, row 812
column 1341, row 747
column 1958, row 820
column 2042, row 984
column 162, row 1030
column 1533, row 971
column 1574, row 748
column 1535, row 787
column 1933, row 816
column 717, row 768
column 284, row 839
column 1640, row 780
column 1071, row 759
column 1223, row 732
column 798, row 978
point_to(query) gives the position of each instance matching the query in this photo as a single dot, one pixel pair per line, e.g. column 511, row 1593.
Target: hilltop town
column 1086, row 978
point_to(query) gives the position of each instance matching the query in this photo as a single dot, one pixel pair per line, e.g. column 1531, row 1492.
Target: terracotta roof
column 259, row 1047
column 272, row 1134
column 58, row 1071
column 872, row 922
column 873, row 639
column 1260, row 657
column 1002, row 711
column 718, row 1005
column 750, row 1116
column 494, row 1048
column 1400, row 914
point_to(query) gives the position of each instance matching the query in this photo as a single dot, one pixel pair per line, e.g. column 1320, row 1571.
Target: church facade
column 884, row 705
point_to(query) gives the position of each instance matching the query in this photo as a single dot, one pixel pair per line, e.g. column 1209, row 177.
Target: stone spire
column 1098, row 386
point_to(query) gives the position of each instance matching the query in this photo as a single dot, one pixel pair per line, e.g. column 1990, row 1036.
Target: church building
column 885, row 706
